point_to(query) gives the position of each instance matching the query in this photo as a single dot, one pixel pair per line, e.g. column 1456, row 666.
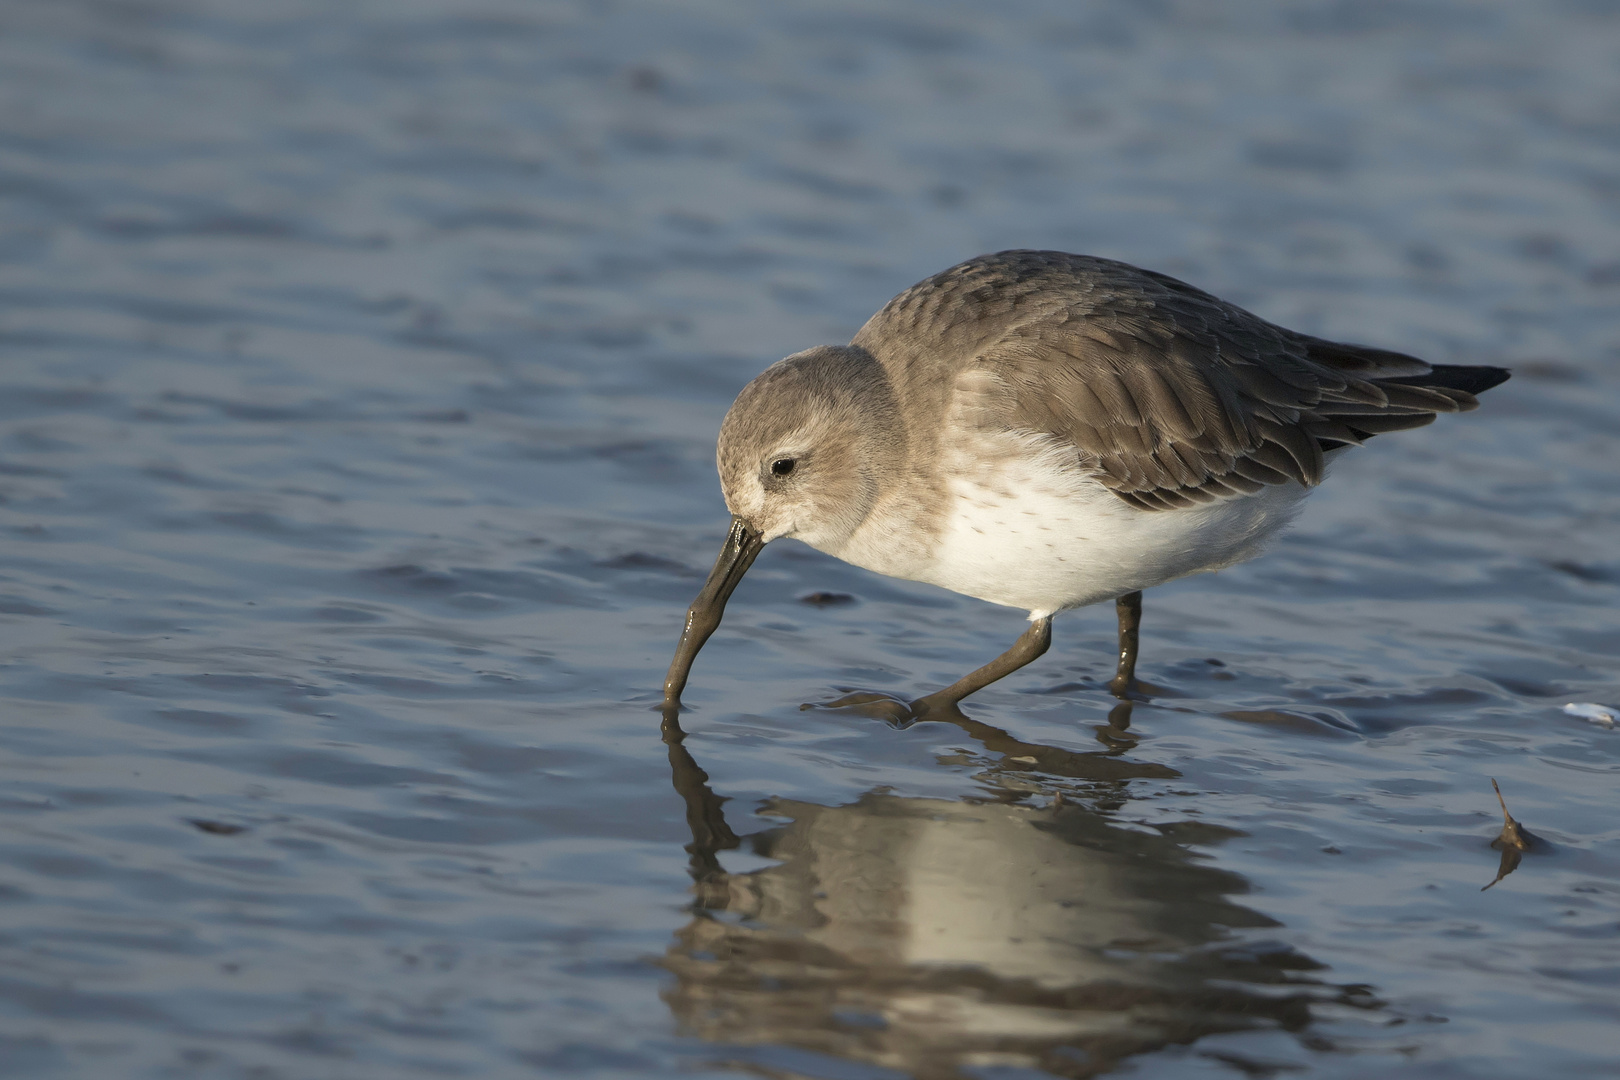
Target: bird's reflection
column 935, row 937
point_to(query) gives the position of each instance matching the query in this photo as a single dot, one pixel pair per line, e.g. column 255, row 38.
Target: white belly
column 1029, row 533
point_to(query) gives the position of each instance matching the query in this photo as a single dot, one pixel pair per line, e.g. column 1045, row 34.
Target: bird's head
column 802, row 454
column 803, row 447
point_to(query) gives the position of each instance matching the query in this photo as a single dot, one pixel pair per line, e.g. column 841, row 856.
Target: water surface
column 360, row 367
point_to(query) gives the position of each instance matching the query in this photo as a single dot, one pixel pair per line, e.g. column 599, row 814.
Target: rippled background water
column 359, row 371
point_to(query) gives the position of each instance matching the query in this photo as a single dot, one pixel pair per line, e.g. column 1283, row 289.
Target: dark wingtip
column 1473, row 379
column 1469, row 378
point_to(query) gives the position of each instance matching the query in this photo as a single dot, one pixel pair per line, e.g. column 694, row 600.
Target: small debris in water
column 218, row 828
column 1590, row 711
column 826, row 599
column 1512, row 842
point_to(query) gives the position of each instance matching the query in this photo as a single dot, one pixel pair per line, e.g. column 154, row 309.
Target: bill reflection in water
column 930, row 936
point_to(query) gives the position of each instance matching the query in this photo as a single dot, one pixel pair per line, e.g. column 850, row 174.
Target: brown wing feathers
column 1176, row 398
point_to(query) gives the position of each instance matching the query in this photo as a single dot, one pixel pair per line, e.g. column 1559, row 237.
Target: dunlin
column 1046, row 431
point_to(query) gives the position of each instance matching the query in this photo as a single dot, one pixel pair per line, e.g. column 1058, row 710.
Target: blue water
column 360, row 367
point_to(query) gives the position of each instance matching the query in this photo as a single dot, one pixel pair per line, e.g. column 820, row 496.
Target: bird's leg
column 1129, row 609
column 1030, row 645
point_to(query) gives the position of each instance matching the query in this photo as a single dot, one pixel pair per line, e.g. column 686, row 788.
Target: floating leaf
column 1512, row 842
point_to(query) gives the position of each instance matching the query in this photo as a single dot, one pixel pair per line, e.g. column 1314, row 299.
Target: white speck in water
column 1592, row 713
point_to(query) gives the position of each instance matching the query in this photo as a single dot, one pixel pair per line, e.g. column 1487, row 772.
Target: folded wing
column 1174, row 398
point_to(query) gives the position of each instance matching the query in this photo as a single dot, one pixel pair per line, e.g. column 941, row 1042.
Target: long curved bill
column 703, row 617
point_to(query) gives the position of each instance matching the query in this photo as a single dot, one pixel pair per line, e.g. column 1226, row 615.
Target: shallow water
column 359, row 372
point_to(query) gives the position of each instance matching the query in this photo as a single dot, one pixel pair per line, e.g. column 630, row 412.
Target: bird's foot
column 896, row 712
column 946, row 710
column 1137, row 690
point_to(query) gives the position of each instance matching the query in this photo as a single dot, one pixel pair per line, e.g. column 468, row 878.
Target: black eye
column 783, row 466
